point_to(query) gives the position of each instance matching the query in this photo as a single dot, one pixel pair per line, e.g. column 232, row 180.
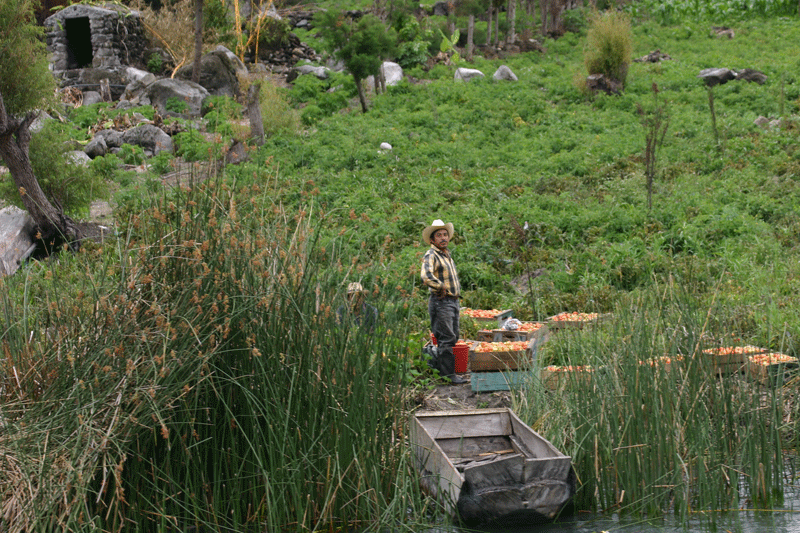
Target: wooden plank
column 473, row 447
column 467, row 423
column 538, row 445
column 503, row 471
column 444, row 479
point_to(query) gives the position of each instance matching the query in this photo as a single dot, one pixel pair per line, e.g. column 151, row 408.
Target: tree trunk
column 489, row 24
column 254, row 113
column 512, row 21
column 544, row 10
column 361, row 96
column 470, row 33
column 198, row 39
column 52, row 225
column 497, row 27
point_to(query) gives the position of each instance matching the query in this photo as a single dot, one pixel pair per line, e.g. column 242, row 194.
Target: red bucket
column 461, row 352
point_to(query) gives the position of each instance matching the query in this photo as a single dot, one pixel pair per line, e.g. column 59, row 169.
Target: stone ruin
column 90, row 36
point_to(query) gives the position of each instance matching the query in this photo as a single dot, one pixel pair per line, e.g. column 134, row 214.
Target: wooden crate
column 501, row 335
column 558, row 379
column 499, row 381
column 729, row 360
column 497, row 319
column 555, row 324
column 773, row 374
column 493, row 361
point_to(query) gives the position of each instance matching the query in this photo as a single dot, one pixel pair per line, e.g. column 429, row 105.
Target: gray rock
column 240, row 67
column 321, row 73
column 77, row 158
column 749, row 74
column 111, row 138
column 392, row 73
column 218, row 74
column 97, row 147
column 466, row 74
column 91, row 97
column 504, row 73
column 149, row 137
column 160, row 92
column 716, row 76
column 599, row 83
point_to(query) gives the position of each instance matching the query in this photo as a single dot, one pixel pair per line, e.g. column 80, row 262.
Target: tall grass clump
column 201, row 380
column 654, row 429
column 609, row 45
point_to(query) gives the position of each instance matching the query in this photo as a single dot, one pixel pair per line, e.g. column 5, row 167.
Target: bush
column 71, row 185
column 276, row 113
column 609, row 45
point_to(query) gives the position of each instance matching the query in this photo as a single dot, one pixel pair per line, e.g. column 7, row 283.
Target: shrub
column 71, row 185
column 276, row 113
column 609, row 45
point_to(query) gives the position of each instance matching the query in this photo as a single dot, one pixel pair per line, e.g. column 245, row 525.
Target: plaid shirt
column 439, row 271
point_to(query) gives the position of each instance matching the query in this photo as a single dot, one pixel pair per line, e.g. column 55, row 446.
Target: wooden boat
column 486, row 466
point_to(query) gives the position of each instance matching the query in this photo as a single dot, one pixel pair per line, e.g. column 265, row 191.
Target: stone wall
column 84, row 36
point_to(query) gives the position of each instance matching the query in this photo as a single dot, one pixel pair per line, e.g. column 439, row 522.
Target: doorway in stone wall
column 79, row 42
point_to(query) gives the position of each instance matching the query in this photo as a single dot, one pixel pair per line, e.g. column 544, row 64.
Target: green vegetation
column 191, row 372
column 609, row 43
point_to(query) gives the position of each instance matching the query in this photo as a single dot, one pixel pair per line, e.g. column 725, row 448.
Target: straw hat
column 437, row 224
column 354, row 287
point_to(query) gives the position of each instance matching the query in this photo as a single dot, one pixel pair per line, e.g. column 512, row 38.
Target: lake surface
column 783, row 520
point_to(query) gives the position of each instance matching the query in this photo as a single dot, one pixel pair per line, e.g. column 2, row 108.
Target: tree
column 198, row 40
column 26, row 86
column 360, row 44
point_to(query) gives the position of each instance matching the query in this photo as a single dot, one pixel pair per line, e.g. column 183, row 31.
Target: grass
column 198, row 356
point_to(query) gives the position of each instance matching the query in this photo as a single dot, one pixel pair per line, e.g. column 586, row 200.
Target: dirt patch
column 461, row 397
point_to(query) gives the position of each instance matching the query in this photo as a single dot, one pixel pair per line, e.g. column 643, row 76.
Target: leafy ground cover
column 198, row 356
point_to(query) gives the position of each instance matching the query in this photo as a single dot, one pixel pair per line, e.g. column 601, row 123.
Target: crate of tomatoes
column 575, row 319
column 731, row 359
column 524, row 332
column 771, row 368
column 486, row 316
column 556, row 377
column 491, row 356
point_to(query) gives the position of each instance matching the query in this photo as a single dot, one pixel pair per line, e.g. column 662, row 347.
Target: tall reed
column 202, row 381
column 656, row 429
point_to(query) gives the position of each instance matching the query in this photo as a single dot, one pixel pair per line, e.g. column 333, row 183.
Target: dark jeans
column 444, row 314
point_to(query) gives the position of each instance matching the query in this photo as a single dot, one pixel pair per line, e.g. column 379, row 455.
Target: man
column 439, row 275
column 359, row 311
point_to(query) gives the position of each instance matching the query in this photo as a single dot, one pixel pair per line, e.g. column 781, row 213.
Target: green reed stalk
column 210, row 385
column 647, row 439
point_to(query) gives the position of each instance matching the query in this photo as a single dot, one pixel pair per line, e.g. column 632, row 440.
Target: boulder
column 716, row 76
column 97, row 147
column 111, row 138
column 217, row 74
column 17, row 230
column 392, row 73
column 77, row 158
column 160, row 92
column 466, row 74
column 91, row 97
column 504, row 73
column 599, row 83
column 151, row 138
column 321, row 73
column 653, row 57
column 749, row 74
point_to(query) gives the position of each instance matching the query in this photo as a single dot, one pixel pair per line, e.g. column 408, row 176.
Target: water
column 780, row 520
